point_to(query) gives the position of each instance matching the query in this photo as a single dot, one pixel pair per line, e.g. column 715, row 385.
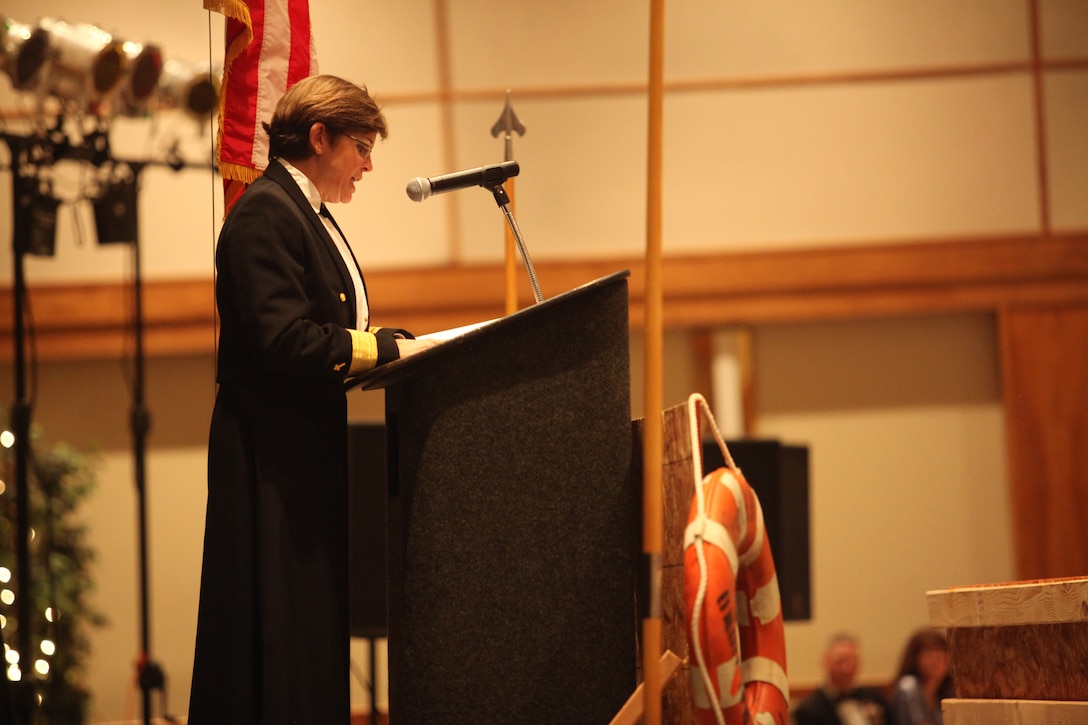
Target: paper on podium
column 443, row 335
column 373, row 376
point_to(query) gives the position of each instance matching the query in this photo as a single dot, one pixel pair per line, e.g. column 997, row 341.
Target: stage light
column 23, row 51
column 86, row 63
column 92, row 71
column 190, row 88
column 144, row 68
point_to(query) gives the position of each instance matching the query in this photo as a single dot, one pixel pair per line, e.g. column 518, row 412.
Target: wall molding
column 90, row 321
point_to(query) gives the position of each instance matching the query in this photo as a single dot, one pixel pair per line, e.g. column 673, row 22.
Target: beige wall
column 908, row 489
column 788, row 125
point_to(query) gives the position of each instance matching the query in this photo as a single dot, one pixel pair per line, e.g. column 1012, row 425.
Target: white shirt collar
column 308, row 189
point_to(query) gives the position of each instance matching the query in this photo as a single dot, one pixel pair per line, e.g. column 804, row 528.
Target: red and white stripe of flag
column 269, row 47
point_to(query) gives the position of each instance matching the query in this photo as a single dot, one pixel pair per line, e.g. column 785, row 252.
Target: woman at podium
column 272, row 630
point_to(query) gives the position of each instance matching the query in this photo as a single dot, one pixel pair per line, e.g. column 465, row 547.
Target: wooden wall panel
column 1045, row 370
column 94, row 321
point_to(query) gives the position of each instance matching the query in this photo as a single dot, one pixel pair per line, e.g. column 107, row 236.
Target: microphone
column 420, row 188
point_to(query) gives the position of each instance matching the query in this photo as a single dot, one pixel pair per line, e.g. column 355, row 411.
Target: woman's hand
column 408, row 347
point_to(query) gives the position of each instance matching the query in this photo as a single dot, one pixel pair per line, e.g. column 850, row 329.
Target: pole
column 23, row 191
column 149, row 674
column 42, row 151
column 653, row 516
column 507, row 124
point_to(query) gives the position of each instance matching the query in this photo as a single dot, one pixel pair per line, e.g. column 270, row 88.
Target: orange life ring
column 733, row 607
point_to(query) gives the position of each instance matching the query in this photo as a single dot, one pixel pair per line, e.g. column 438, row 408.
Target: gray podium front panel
column 513, row 519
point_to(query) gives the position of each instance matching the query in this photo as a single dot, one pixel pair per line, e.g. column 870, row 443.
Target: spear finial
column 507, row 124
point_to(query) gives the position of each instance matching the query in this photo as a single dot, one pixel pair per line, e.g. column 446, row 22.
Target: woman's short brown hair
column 341, row 105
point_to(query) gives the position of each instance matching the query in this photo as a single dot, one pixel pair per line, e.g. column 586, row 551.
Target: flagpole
column 652, row 515
column 507, row 124
column 510, row 262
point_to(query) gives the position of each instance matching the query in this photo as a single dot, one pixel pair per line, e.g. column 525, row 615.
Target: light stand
column 117, row 220
column 150, row 674
column 23, row 190
column 29, row 153
column 82, row 66
column 122, row 204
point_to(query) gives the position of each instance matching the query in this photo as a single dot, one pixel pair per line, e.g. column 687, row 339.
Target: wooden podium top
column 1041, row 601
column 1013, row 642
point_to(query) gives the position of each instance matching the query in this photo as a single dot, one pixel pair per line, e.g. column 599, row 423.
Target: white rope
column 697, row 404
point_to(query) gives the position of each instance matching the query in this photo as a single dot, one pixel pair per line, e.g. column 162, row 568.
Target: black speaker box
column 778, row 473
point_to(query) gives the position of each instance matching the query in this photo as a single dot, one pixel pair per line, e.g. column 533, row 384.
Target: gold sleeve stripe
column 364, row 352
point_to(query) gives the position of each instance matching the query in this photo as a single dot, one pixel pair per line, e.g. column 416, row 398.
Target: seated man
column 838, row 701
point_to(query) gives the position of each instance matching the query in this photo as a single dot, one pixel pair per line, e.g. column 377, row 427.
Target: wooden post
column 651, row 498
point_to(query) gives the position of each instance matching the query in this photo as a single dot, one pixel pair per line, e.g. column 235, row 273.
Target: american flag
column 269, row 47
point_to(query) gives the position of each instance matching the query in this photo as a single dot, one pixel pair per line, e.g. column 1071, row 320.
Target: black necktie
column 324, row 211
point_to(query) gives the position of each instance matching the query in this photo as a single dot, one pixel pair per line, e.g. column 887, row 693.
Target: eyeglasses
column 362, row 148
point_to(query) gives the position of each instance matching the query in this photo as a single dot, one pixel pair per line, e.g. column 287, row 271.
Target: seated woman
column 924, row 679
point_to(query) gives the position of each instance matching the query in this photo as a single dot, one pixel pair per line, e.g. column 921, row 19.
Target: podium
column 513, row 518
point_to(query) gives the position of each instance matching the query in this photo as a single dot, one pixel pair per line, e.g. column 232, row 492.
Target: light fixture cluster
column 89, row 70
column 81, row 78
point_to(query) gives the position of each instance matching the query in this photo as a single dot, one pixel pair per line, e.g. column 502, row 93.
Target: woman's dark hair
column 341, row 105
column 922, row 640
